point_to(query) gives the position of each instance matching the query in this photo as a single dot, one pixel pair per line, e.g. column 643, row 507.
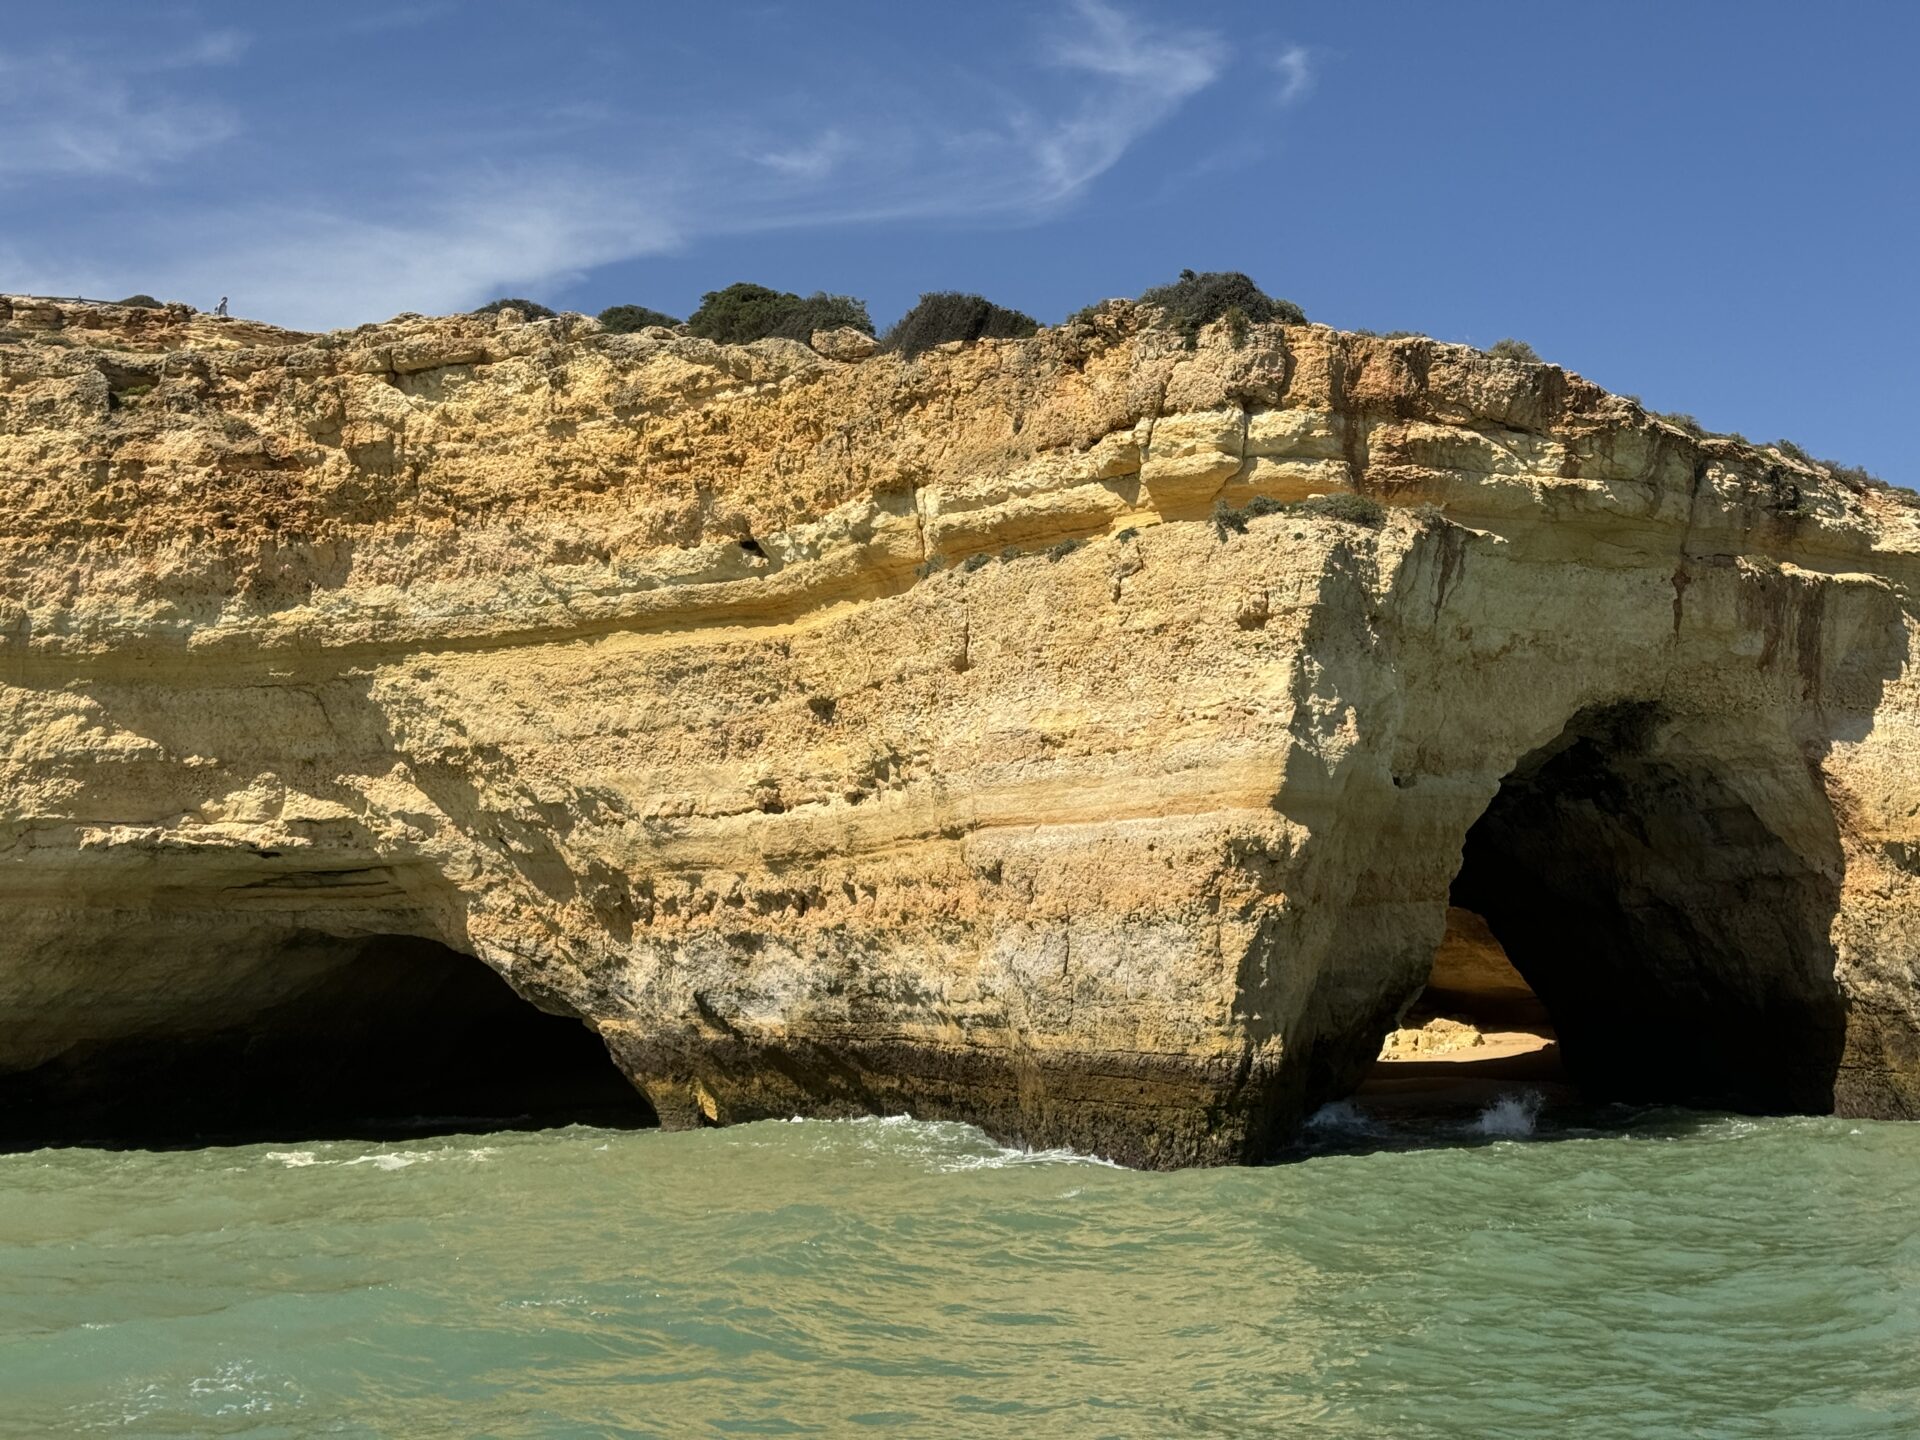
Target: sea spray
column 1511, row 1117
column 1340, row 1117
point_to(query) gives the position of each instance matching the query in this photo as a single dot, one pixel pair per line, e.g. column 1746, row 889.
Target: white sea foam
column 935, row 1141
column 1006, row 1158
column 240, row 1388
column 1509, row 1117
column 1340, row 1117
column 386, row 1159
column 392, row 1160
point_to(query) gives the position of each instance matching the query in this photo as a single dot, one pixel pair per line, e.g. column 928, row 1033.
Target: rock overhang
column 999, row 779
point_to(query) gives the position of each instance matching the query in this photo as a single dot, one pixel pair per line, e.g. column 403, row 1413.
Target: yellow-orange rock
column 840, row 737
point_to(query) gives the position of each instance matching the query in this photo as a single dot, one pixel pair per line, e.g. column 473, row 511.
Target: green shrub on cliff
column 142, row 301
column 944, row 315
column 532, row 309
column 1854, row 477
column 743, row 312
column 1226, row 518
column 625, row 319
column 1680, row 420
column 1342, row 505
column 1511, row 349
column 1196, row 300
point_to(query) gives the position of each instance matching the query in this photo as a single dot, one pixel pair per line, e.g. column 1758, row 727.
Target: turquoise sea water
column 1672, row 1275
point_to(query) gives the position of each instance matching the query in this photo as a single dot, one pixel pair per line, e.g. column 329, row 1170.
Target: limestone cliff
column 836, row 737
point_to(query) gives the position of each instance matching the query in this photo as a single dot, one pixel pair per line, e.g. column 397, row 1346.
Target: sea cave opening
column 1624, row 926
column 1475, row 1031
column 372, row 1036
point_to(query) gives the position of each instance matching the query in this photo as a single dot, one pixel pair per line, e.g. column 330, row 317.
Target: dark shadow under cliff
column 381, row 1036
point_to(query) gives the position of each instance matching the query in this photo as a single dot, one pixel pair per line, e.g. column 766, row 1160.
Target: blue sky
column 1711, row 205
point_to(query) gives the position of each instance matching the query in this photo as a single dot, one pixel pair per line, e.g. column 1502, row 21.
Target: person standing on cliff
column 221, row 308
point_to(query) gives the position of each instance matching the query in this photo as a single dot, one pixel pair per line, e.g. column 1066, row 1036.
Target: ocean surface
column 1660, row 1274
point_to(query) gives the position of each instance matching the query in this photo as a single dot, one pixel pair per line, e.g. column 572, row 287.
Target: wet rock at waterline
column 952, row 736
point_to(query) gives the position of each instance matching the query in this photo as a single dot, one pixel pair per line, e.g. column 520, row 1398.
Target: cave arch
column 1679, row 941
column 364, row 1036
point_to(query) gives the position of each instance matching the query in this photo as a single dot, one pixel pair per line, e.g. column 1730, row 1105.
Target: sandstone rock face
column 847, row 737
column 844, row 343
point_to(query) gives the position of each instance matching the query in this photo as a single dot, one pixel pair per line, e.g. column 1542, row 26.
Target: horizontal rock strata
column 951, row 736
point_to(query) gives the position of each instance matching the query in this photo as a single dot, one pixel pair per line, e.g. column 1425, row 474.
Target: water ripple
column 1653, row 1273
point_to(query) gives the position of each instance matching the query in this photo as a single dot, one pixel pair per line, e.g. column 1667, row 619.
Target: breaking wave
column 1511, row 1117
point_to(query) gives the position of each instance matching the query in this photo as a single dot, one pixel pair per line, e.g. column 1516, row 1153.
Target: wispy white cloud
column 1021, row 155
column 88, row 115
column 1108, row 41
column 1294, row 66
column 440, row 228
column 814, row 160
column 313, row 267
column 214, row 47
column 1143, row 74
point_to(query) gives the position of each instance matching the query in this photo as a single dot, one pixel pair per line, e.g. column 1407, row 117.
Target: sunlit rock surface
column 837, row 736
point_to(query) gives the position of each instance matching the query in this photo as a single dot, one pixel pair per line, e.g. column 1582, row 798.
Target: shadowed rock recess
column 845, row 736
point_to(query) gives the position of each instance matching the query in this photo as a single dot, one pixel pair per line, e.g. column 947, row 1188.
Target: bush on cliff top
column 943, row 315
column 1197, row 300
column 1854, row 477
column 142, row 301
column 742, row 313
column 625, row 319
column 1511, row 349
column 532, row 309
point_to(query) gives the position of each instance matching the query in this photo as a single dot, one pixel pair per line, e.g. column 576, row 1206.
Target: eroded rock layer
column 837, row 737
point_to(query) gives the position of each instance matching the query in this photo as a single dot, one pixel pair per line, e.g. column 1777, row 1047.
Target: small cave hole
column 1475, row 1031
